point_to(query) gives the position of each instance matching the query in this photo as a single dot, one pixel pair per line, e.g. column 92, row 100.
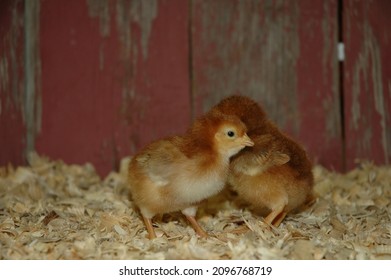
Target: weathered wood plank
column 367, row 77
column 12, row 89
column 114, row 77
column 318, row 85
column 282, row 54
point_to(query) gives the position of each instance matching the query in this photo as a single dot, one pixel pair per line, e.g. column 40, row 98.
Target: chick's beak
column 246, row 141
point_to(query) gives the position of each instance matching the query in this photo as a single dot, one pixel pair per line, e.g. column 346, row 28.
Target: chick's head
column 231, row 137
column 217, row 133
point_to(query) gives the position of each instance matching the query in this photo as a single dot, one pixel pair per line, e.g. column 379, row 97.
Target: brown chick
column 177, row 173
column 275, row 173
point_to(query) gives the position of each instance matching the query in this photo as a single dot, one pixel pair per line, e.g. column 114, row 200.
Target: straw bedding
column 51, row 210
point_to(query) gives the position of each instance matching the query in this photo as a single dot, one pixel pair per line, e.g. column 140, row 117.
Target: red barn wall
column 367, row 80
column 93, row 81
column 12, row 83
column 281, row 53
column 114, row 77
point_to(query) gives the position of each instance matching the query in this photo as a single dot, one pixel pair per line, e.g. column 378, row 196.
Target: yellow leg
column 279, row 219
column 150, row 229
column 196, row 226
column 274, row 214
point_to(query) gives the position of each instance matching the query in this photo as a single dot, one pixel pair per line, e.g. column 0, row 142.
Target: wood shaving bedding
column 51, row 210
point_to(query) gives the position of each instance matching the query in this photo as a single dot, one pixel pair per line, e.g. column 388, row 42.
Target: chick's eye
column 231, row 133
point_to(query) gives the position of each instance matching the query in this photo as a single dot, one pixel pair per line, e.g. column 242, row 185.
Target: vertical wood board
column 367, row 81
column 115, row 77
column 280, row 53
column 317, row 89
column 12, row 97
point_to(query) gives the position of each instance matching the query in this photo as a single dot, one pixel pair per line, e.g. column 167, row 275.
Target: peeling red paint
column 12, row 123
column 318, row 84
column 368, row 72
column 104, row 98
column 249, row 47
column 281, row 54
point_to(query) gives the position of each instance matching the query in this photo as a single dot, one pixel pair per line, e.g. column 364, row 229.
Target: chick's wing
column 263, row 156
column 252, row 163
column 160, row 160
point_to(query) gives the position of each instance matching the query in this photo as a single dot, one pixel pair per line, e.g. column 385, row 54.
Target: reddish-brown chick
column 177, row 173
column 275, row 173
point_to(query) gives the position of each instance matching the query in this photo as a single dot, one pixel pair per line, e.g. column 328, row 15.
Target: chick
column 275, row 173
column 177, row 173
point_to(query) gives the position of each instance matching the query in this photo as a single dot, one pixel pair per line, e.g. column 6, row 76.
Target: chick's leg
column 279, row 219
column 277, row 214
column 190, row 215
column 150, row 229
column 270, row 218
column 197, row 226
